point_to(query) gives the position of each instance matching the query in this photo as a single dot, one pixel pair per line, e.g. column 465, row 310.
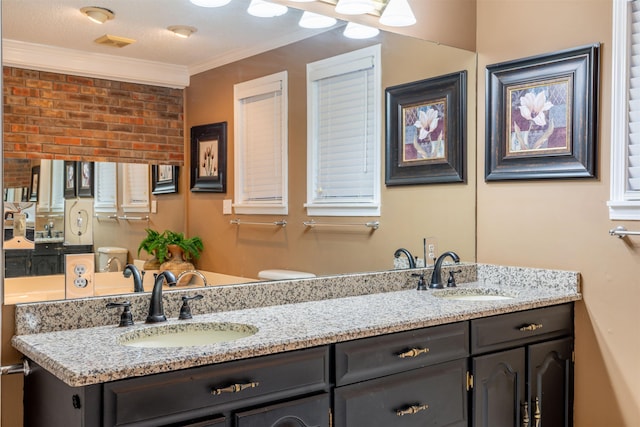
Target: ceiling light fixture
column 183, row 31
column 359, row 31
column 354, row 7
column 210, row 3
column 99, row 15
column 398, row 13
column 264, row 9
column 315, row 20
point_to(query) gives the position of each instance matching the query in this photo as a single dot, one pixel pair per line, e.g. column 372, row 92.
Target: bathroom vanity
column 402, row 358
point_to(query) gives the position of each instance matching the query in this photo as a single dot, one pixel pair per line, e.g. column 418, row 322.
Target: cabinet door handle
column 531, row 327
column 525, row 414
column 537, row 414
column 234, row 388
column 414, row 409
column 414, row 352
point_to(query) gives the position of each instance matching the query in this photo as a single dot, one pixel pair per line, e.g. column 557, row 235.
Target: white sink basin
column 186, row 335
column 467, row 294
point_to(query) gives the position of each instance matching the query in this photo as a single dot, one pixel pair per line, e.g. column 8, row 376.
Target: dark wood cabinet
column 308, row 412
column 524, row 385
column 17, row 262
column 45, row 259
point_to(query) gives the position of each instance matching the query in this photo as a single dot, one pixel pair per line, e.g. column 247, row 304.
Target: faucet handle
column 185, row 310
column 422, row 286
column 126, row 318
column 451, row 281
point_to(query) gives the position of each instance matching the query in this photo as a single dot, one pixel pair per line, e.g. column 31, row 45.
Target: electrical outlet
column 431, row 246
column 79, row 275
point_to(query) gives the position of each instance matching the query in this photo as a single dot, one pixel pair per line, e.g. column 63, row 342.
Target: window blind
column 135, row 191
column 633, row 148
column 105, row 187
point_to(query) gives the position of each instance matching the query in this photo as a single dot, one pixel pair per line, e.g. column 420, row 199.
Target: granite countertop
column 93, row 355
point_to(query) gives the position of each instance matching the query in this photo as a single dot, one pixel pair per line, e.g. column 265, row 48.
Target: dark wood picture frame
column 70, row 179
column 542, row 115
column 85, row 174
column 164, row 179
column 426, row 131
column 209, row 158
column 35, row 180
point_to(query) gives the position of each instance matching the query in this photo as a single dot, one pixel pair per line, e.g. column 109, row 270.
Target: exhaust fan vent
column 115, row 41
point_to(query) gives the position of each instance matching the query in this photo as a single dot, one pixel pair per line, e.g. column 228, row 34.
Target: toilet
column 119, row 256
column 284, row 275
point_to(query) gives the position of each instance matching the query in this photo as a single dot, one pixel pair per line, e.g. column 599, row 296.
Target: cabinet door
column 426, row 397
column 550, row 374
column 44, row 265
column 218, row 422
column 309, row 412
column 498, row 389
column 16, row 263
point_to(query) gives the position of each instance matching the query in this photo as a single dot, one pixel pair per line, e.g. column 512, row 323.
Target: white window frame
column 622, row 205
column 275, row 204
column 135, row 199
column 334, row 67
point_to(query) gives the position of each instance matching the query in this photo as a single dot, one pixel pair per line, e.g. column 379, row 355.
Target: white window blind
column 57, row 186
column 625, row 130
column 135, row 187
column 343, row 105
column 44, row 187
column 105, row 187
column 261, row 145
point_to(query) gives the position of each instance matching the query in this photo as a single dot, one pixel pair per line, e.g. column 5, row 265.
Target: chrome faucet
column 436, row 277
column 156, row 310
column 109, row 261
column 400, row 251
column 130, row 270
column 187, row 272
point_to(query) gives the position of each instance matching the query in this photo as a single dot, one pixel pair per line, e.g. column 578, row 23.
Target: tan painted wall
column 446, row 211
column 564, row 224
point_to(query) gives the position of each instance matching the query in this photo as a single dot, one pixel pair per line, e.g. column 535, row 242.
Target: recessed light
column 210, row 3
column 359, row 31
column 265, row 9
column 183, row 31
column 99, row 15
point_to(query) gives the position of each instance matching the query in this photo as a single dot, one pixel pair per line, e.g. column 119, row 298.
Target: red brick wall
column 17, row 173
column 50, row 115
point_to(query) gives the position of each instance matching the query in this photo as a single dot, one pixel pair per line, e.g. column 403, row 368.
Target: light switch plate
column 226, row 207
column 79, row 275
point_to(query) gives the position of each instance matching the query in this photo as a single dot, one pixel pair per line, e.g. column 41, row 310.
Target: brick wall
column 55, row 116
column 17, row 173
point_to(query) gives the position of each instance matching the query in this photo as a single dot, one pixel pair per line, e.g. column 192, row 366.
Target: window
column 625, row 120
column 260, row 142
column 343, row 141
column 51, row 187
column 105, row 187
column 135, row 187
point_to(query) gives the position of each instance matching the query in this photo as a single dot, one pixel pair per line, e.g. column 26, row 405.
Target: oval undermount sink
column 186, row 335
column 467, row 294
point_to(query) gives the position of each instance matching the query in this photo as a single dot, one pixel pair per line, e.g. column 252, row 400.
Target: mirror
column 444, row 212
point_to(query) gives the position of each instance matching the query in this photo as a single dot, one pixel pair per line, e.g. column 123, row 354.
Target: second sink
column 186, row 335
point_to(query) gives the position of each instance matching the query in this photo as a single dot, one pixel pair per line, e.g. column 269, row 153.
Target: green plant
column 156, row 244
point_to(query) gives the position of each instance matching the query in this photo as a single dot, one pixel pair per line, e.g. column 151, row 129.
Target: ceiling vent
column 115, row 41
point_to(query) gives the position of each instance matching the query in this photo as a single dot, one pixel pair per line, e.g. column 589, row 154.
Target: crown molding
column 68, row 61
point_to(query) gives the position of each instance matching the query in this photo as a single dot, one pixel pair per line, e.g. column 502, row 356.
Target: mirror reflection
column 61, row 220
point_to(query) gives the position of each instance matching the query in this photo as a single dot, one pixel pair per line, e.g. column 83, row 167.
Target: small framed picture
column 85, row 179
column 70, row 180
column 35, row 179
column 164, row 179
column 209, row 158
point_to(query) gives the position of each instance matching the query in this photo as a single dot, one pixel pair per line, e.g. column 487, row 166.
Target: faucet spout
column 130, row 270
column 400, row 251
column 436, row 277
column 156, row 310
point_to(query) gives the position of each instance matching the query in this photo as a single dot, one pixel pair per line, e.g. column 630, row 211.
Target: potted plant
column 169, row 246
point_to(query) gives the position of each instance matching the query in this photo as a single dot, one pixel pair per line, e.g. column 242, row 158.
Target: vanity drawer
column 180, row 395
column 388, row 354
column 430, row 396
column 515, row 329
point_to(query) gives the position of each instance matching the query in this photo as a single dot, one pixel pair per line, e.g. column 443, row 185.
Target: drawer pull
column 414, row 352
column 411, row 410
column 531, row 327
column 234, row 388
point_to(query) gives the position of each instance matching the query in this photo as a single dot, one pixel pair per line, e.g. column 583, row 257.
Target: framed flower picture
column 542, row 116
column 209, row 158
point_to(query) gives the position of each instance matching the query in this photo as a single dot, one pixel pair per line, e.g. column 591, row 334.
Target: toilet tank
column 106, row 253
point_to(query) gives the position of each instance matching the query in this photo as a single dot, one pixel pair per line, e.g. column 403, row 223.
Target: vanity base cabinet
column 313, row 411
column 524, row 385
column 427, row 397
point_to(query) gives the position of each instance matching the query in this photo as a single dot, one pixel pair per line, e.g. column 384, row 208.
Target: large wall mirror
column 445, row 212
